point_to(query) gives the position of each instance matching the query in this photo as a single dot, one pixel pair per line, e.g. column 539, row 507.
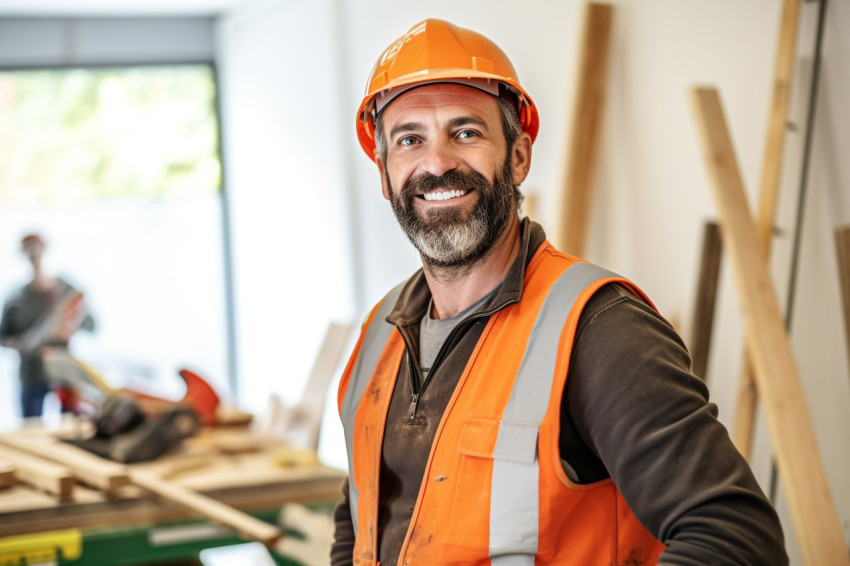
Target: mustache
column 452, row 179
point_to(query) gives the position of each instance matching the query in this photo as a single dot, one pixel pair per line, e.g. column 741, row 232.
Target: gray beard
column 443, row 237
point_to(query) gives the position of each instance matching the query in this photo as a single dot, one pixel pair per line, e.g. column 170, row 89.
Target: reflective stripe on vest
column 514, row 496
column 376, row 336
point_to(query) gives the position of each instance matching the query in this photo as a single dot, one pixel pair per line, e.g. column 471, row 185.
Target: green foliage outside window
column 74, row 135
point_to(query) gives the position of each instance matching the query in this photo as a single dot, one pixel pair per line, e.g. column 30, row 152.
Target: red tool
column 199, row 395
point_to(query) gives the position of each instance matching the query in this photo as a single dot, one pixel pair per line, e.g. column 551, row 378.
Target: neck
column 40, row 280
column 456, row 288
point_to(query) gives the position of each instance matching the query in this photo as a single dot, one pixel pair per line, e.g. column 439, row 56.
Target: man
column 510, row 404
column 47, row 311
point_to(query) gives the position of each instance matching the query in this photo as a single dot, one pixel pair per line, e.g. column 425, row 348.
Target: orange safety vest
column 494, row 489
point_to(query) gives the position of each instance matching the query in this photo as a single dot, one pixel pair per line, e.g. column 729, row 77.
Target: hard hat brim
column 366, row 114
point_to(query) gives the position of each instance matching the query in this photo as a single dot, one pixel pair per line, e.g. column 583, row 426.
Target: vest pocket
column 467, row 533
column 467, row 538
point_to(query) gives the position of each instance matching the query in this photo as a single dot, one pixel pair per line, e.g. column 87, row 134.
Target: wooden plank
column 27, row 511
column 247, row 526
column 85, row 467
column 7, row 474
column 703, row 321
column 37, row 472
column 842, row 250
column 587, row 117
column 746, row 407
column 783, row 73
column 813, row 513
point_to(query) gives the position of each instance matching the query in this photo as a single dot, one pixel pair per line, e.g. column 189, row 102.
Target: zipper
column 411, row 412
column 416, row 372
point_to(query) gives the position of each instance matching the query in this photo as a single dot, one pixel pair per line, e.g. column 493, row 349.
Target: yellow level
column 41, row 547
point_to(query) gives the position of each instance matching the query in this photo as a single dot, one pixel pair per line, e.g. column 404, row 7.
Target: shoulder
column 619, row 305
column 620, row 339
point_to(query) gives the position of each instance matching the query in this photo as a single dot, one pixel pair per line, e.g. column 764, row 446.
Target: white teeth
column 444, row 195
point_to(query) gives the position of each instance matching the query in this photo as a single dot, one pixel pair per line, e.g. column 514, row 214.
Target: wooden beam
column 7, row 474
column 109, row 475
column 85, row 467
column 247, row 526
column 709, row 274
column 39, row 473
column 746, row 408
column 842, row 250
column 815, row 519
column 586, row 135
column 783, row 74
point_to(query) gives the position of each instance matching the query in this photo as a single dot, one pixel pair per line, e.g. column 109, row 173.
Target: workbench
column 128, row 526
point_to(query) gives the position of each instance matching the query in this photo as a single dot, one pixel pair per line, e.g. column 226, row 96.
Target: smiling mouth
column 444, row 195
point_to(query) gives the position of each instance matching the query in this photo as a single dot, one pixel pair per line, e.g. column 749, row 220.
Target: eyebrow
column 453, row 123
column 464, row 120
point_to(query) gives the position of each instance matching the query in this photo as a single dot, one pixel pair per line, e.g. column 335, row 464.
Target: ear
column 382, row 172
column 521, row 158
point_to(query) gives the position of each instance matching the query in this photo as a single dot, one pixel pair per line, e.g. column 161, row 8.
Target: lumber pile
column 774, row 370
column 42, row 471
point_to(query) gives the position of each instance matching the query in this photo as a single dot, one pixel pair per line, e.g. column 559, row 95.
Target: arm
column 8, row 332
column 342, row 550
column 636, row 405
column 30, row 322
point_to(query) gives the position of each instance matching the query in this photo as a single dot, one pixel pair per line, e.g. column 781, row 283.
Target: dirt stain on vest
column 416, row 537
column 634, row 559
column 367, row 557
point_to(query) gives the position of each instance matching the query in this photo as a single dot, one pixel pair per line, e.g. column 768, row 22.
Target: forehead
column 449, row 99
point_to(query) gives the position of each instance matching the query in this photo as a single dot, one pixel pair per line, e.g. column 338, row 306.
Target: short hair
column 31, row 239
column 510, row 127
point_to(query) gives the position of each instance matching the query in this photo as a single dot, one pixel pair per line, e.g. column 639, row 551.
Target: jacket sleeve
column 342, row 549
column 645, row 417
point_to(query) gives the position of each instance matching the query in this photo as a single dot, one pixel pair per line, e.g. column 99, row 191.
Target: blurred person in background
column 44, row 313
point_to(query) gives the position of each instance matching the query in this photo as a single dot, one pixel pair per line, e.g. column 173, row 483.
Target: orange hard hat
column 436, row 51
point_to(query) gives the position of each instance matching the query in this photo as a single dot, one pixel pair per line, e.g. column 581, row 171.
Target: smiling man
column 511, row 404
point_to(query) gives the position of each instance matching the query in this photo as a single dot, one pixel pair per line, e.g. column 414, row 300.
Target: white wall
column 287, row 191
column 653, row 194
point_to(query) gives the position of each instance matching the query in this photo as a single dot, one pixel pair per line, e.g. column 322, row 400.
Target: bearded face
column 447, row 236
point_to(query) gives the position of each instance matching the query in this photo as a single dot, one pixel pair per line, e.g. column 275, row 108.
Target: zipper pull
column 411, row 412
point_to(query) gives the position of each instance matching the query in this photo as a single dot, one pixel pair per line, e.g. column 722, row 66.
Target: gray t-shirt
column 433, row 332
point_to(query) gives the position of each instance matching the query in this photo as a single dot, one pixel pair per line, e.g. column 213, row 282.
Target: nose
column 439, row 157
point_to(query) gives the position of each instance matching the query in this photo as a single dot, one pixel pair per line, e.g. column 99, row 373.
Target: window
column 119, row 170
column 75, row 135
